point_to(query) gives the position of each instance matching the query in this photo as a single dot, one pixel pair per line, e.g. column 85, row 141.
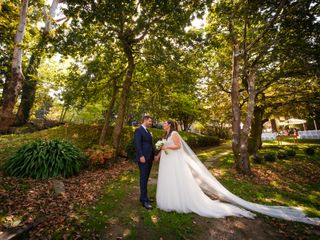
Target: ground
column 104, row 204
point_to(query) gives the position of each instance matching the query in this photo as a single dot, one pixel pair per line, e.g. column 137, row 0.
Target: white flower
column 159, row 144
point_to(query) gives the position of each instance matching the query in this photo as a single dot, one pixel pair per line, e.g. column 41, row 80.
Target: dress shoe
column 147, row 205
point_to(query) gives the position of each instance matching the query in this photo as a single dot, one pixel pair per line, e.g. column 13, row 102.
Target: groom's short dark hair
column 146, row 117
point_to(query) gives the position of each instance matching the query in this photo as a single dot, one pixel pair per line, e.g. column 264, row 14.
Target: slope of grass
column 85, row 136
column 291, row 182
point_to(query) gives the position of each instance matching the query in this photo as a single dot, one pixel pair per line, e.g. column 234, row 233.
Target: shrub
column 282, row 155
column 130, row 150
column 43, row 159
column 270, row 157
column 100, row 155
column 257, row 158
column 193, row 140
column 309, row 151
column 291, row 152
column 196, row 140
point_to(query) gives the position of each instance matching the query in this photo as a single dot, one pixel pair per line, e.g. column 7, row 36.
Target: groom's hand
column 142, row 159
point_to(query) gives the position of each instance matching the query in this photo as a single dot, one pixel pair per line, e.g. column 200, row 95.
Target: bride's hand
column 164, row 148
column 157, row 158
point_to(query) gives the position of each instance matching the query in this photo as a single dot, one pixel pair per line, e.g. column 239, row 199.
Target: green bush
column 309, row 151
column 291, row 152
column 270, row 157
column 257, row 158
column 193, row 140
column 43, row 159
column 196, row 140
column 130, row 150
column 282, row 155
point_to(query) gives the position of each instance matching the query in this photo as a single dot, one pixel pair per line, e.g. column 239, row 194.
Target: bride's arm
column 176, row 141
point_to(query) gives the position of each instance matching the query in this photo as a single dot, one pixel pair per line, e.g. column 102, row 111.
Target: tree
column 166, row 83
column 243, row 37
column 9, row 10
column 288, row 72
column 30, row 84
column 13, row 83
column 130, row 24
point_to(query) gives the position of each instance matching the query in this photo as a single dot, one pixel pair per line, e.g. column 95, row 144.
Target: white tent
column 292, row 121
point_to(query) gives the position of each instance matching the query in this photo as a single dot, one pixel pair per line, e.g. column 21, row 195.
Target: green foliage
column 193, row 140
column 291, row 152
column 85, row 136
column 257, row 158
column 130, row 150
column 9, row 15
column 282, row 155
column 309, row 151
column 196, row 140
column 43, row 159
column 270, row 157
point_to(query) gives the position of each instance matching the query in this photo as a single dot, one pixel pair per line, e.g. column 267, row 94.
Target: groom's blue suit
column 144, row 147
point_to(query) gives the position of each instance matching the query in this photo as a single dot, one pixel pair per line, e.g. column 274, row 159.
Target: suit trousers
column 145, row 169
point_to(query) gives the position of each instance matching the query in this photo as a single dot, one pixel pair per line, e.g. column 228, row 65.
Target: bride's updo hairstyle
column 173, row 127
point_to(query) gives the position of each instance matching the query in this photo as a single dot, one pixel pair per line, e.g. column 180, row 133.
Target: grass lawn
column 291, row 182
column 116, row 212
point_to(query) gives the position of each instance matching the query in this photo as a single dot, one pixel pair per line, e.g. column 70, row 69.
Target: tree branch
column 267, row 27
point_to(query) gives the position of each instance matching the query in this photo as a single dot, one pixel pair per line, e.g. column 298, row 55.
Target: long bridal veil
column 213, row 187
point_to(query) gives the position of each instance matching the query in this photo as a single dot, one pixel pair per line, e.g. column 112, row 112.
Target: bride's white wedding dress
column 183, row 181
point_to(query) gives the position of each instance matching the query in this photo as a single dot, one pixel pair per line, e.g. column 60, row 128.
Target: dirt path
column 228, row 228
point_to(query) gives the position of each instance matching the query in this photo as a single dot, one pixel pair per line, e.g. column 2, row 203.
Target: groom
column 144, row 157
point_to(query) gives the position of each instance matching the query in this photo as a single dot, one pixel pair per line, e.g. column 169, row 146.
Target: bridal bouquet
column 159, row 144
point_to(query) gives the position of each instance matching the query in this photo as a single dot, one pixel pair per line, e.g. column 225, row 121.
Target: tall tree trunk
column 244, row 163
column 123, row 98
column 13, row 84
column 106, row 126
column 30, row 84
column 240, row 137
column 29, row 88
column 256, row 130
column 236, row 112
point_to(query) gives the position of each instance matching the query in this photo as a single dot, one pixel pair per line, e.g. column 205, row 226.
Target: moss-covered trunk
column 256, row 130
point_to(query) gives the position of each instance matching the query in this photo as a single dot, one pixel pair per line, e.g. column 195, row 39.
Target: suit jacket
column 143, row 144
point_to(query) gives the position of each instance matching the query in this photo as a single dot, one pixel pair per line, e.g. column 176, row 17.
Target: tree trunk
column 236, row 113
column 106, row 126
column 274, row 125
column 30, row 85
column 123, row 98
column 13, row 84
column 28, row 90
column 240, row 138
column 63, row 113
column 244, row 162
column 256, row 130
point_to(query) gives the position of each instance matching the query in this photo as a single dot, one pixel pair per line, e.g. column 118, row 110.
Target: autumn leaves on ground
column 103, row 203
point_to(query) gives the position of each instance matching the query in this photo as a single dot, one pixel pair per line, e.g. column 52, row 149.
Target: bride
column 184, row 182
